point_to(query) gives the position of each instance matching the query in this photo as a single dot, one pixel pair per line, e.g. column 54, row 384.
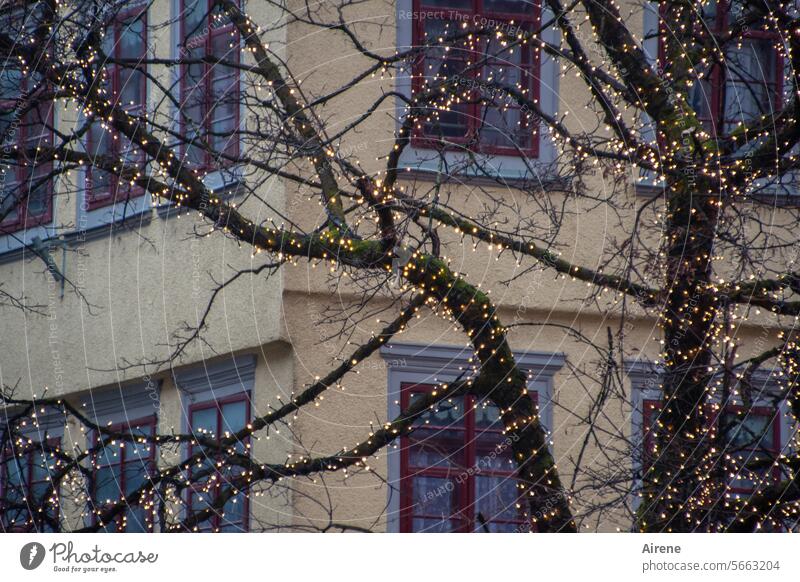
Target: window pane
column 449, row 413
column 194, row 16
column 426, row 525
column 223, row 94
column 10, row 83
column 38, row 491
column 494, row 452
column 752, row 430
column 100, row 145
column 194, row 102
column 107, row 484
column 234, row 514
column 8, row 130
column 448, row 58
column 43, row 464
column 434, row 496
column 137, row 450
column 443, row 63
column 503, row 527
column 198, row 502
column 496, row 497
column 460, row 4
column 109, row 454
column 436, row 448
column 234, row 416
column 39, row 192
column 700, row 98
column 16, row 475
column 135, row 476
column 132, row 45
column 750, row 81
column 204, row 422
column 137, row 520
column 487, row 415
column 9, row 194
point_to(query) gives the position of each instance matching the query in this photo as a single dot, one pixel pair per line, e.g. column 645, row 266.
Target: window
column 751, row 436
column 120, row 468
column 217, row 420
column 26, row 192
column 747, row 436
column 488, row 119
column 750, row 81
column 458, row 471
column 215, row 399
column 743, row 435
column 209, row 88
column 455, row 472
column 26, row 480
column 125, row 44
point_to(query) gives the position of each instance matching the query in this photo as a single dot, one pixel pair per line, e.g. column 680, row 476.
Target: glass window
column 747, row 85
column 209, row 90
column 25, row 124
column 121, row 469
column 488, row 72
column 218, row 420
column 457, row 469
column 751, row 439
column 26, row 486
column 125, row 45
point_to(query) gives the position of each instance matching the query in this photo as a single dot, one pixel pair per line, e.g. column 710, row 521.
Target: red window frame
column 9, row 456
column 217, row 522
column 119, row 190
column 775, row 444
column 464, row 469
column 209, row 34
column 531, row 69
column 651, row 408
column 28, row 170
column 123, row 461
column 716, row 77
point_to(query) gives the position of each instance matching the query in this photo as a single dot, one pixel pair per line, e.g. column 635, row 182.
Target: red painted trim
column 216, row 521
column 464, row 511
column 119, row 190
column 147, row 421
column 205, row 40
column 716, row 78
column 531, row 68
column 8, row 455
